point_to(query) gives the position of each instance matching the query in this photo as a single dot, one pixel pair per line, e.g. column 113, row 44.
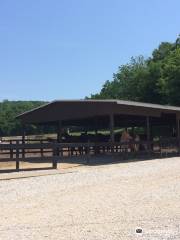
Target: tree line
column 9, row 125
column 153, row 80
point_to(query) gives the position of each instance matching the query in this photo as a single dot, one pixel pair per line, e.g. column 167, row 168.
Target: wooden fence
column 42, row 150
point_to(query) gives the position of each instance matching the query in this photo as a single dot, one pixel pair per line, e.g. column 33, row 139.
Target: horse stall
column 151, row 131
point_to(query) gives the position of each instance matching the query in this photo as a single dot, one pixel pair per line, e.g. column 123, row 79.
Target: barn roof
column 79, row 109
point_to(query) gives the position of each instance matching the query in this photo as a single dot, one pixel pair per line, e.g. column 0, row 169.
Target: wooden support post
column 148, row 133
column 41, row 142
column 59, row 136
column 96, row 128
column 88, row 153
column 59, row 132
column 23, row 135
column 133, row 131
column 17, row 156
column 11, row 151
column 96, row 150
column 54, row 155
column 178, row 128
column 23, row 140
column 148, row 128
column 112, row 127
column 54, row 162
column 178, row 133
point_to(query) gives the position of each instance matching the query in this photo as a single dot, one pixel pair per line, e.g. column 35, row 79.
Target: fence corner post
column 17, row 155
column 54, row 158
column 54, row 163
column 88, row 153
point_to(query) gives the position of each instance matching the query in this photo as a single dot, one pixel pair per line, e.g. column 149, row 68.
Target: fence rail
column 16, row 150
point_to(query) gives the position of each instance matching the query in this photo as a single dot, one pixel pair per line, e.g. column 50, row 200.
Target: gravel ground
column 94, row 202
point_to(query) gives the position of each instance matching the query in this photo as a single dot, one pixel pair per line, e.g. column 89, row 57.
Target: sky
column 67, row 49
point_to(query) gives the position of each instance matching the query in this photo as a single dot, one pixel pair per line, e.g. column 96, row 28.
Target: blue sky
column 66, row 49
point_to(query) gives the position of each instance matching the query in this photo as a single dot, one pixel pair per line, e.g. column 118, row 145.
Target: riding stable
column 101, row 123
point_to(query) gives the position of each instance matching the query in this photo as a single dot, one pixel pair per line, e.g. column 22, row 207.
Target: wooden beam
column 17, row 157
column 23, row 133
column 112, row 127
column 23, row 139
column 148, row 128
column 177, row 128
column 59, row 138
column 59, row 132
column 96, row 128
column 148, row 134
column 178, row 132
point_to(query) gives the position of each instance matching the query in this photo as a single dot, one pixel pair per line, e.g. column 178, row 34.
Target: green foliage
column 154, row 80
column 170, row 78
column 9, row 110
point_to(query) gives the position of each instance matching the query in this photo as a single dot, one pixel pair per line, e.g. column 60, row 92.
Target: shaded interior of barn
column 103, row 121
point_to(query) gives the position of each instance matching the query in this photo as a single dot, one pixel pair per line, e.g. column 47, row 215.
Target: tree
column 9, row 110
column 170, row 79
column 154, row 80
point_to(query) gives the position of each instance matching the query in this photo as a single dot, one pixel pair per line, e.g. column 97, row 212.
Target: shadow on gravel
column 106, row 159
column 85, row 160
column 24, row 170
column 37, row 174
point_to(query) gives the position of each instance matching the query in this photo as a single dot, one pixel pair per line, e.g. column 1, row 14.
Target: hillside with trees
column 9, row 110
column 153, row 80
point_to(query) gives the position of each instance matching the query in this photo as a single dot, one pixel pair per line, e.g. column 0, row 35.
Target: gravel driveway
column 94, row 202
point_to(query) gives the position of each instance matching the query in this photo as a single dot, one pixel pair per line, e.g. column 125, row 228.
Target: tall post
column 133, row 131
column 96, row 129
column 17, row 155
column 59, row 136
column 54, row 159
column 23, row 134
column 177, row 128
column 112, row 127
column 96, row 148
column 23, row 140
column 148, row 128
column 59, row 132
column 148, row 133
column 178, row 133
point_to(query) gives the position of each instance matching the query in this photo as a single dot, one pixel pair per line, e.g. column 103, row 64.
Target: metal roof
column 148, row 105
column 73, row 109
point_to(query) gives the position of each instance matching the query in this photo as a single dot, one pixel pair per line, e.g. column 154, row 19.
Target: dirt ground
column 93, row 202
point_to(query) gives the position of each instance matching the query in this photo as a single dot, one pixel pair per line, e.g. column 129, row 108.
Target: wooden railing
column 42, row 150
